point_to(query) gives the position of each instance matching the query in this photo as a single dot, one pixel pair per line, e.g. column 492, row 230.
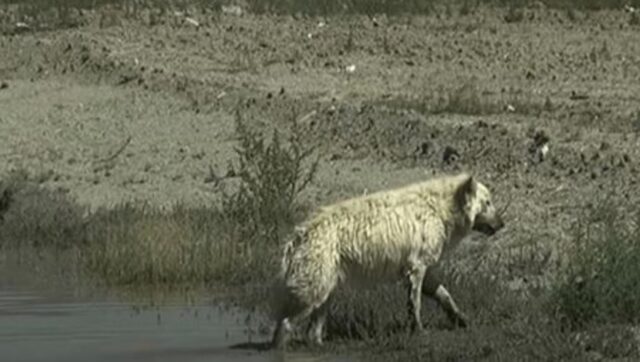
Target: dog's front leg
column 415, row 279
column 433, row 288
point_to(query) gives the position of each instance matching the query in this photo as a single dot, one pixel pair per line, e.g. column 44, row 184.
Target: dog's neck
column 457, row 228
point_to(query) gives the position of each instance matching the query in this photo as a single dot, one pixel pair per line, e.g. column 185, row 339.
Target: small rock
column 542, row 151
column 517, row 284
column 540, row 147
column 192, row 21
column 232, row 10
column 198, row 155
column 540, row 138
column 423, row 149
column 578, row 96
column 22, row 27
column 211, row 177
column 4, row 85
column 583, row 157
column 450, row 155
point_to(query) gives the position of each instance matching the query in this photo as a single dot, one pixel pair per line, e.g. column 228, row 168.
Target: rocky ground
column 545, row 110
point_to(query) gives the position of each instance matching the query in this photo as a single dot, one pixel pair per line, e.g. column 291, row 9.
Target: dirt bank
column 545, row 110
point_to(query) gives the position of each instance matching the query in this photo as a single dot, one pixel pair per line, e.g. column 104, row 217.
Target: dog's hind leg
column 318, row 319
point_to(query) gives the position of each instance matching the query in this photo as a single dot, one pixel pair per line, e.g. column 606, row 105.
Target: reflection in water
column 45, row 326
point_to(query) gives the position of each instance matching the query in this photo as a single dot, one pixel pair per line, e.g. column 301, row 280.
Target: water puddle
column 57, row 325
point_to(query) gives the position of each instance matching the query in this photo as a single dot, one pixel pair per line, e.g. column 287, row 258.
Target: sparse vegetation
column 135, row 244
column 600, row 283
column 46, row 14
column 237, row 244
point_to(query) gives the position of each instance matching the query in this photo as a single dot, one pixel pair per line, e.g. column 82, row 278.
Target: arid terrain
column 545, row 110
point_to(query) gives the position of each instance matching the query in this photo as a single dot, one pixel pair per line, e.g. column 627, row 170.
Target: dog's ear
column 469, row 187
column 466, row 191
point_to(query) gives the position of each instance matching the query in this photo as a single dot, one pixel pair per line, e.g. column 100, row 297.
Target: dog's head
column 476, row 202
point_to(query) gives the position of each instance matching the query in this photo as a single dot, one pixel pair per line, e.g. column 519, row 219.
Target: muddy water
column 38, row 324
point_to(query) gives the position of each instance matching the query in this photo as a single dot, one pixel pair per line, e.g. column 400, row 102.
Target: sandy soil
column 142, row 111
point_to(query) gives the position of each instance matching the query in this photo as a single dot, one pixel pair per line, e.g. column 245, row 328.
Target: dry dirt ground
column 142, row 109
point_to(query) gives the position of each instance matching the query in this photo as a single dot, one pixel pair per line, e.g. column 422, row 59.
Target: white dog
column 380, row 237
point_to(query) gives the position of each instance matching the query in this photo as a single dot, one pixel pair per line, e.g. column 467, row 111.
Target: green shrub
column 601, row 282
column 272, row 173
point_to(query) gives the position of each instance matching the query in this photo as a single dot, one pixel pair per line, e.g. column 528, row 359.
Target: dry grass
column 184, row 247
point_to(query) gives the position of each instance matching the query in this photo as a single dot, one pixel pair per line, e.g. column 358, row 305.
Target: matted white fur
column 384, row 236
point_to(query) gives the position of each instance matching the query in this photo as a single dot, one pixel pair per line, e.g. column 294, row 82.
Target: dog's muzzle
column 490, row 228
